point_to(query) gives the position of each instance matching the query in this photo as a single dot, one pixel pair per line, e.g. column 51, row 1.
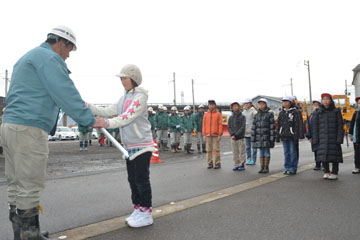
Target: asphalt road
column 73, row 200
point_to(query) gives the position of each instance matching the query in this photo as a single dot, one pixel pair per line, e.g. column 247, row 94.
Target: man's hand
column 219, row 138
column 100, row 123
column 185, row 130
column 310, row 140
column 351, row 137
column 233, row 137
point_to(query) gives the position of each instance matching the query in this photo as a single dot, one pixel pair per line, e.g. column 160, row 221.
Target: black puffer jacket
column 328, row 133
column 236, row 125
column 263, row 129
column 288, row 124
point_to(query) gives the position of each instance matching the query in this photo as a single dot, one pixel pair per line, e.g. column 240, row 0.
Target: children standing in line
column 309, row 134
column 249, row 113
column 136, row 135
column 212, row 131
column 287, row 131
column 236, row 126
column 354, row 133
column 263, row 134
column 328, row 134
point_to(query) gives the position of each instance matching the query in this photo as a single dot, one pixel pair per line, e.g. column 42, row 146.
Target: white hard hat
column 164, row 108
column 64, row 32
column 131, row 71
column 287, row 98
column 173, row 108
column 262, row 100
column 201, row 106
column 248, row 100
column 150, row 109
column 187, row 108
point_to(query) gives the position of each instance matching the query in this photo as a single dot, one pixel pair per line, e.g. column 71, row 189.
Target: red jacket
column 212, row 124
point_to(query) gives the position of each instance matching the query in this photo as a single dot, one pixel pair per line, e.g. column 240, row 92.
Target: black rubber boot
column 198, row 148
column 14, row 220
column 204, row 148
column 261, row 169
column 188, row 148
column 266, row 169
column 29, row 225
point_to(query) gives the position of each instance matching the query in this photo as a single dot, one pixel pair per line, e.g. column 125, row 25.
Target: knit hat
column 131, row 71
column 317, row 100
column 201, row 106
column 263, row 100
column 326, row 95
column 150, row 109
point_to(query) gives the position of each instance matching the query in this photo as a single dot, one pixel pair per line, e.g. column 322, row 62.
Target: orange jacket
column 212, row 124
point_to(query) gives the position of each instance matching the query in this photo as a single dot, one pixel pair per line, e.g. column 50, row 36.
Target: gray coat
column 236, row 125
column 249, row 115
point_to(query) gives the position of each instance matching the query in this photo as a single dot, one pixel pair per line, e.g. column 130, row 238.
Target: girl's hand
column 101, row 123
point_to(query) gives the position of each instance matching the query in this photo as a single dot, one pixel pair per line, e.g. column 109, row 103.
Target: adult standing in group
column 151, row 118
column 40, row 86
column 174, row 122
column 198, row 121
column 212, row 130
column 84, row 136
column 249, row 113
column 187, row 126
column 161, row 125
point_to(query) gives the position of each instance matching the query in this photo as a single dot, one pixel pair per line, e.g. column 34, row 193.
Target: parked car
column 94, row 134
column 64, row 133
column 75, row 130
column 51, row 138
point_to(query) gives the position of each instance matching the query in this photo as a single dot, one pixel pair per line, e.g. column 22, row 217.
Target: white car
column 64, row 133
column 94, row 134
column 75, row 130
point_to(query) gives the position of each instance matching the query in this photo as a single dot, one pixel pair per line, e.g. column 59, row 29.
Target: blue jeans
column 248, row 150
column 265, row 152
column 290, row 153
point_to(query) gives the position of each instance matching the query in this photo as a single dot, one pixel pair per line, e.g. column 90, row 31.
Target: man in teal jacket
column 161, row 125
column 175, row 129
column 40, row 86
column 198, row 120
column 187, row 125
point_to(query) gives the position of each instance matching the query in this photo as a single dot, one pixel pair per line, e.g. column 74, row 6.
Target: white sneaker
column 133, row 215
column 333, row 177
column 356, row 171
column 142, row 219
column 326, row 176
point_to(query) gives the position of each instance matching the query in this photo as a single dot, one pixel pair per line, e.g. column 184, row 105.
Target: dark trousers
column 318, row 163
column 335, row 167
column 139, row 179
column 357, row 155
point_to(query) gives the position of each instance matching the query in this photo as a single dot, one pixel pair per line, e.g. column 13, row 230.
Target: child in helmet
column 135, row 131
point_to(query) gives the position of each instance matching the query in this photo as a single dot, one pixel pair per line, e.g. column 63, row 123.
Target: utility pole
column 346, row 91
column 292, row 92
column 6, row 82
column 192, row 83
column 174, row 91
column 307, row 63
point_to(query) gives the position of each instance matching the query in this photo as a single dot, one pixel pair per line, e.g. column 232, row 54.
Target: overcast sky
column 232, row 49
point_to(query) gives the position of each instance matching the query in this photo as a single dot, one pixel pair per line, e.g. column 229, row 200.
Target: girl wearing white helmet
column 135, row 131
